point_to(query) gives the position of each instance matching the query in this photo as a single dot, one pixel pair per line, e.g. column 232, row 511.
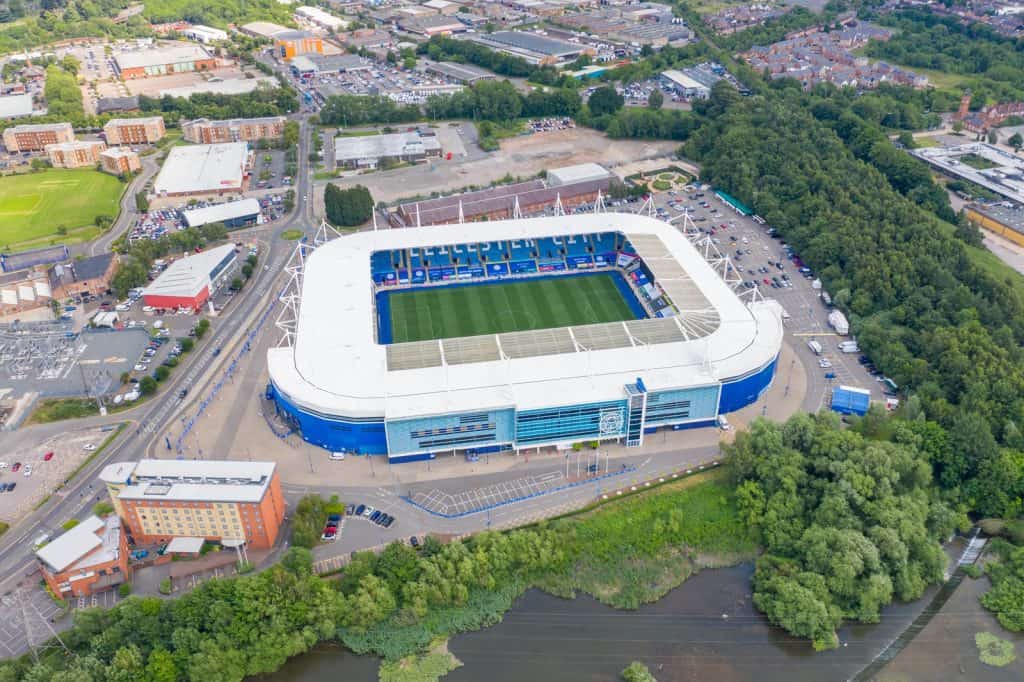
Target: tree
column 655, row 99
column 605, row 100
column 298, row 560
column 348, row 207
column 1016, row 141
column 161, row 373
column 147, row 385
column 637, row 672
column 186, row 343
column 993, row 136
column 236, row 284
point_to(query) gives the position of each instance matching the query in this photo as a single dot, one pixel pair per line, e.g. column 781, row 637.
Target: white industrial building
column 583, row 172
column 15, row 106
column 684, row 85
column 232, row 214
column 203, row 169
column 372, row 150
column 190, row 281
column 204, row 34
column 319, row 17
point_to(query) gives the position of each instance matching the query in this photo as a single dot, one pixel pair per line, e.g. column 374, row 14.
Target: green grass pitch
column 34, row 205
column 443, row 313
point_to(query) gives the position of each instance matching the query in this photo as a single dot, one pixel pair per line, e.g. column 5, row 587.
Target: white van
column 336, row 456
column 723, row 423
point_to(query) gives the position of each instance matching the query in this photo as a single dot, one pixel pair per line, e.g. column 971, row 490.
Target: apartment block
column 134, row 130
column 77, row 154
column 221, row 501
column 35, row 137
column 205, row 131
column 118, row 161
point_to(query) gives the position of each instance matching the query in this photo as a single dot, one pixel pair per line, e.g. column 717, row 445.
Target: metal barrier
column 228, row 373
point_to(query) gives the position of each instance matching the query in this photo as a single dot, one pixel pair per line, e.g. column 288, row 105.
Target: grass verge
column 291, row 235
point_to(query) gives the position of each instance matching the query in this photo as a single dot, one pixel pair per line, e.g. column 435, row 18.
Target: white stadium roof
column 202, row 168
column 337, row 367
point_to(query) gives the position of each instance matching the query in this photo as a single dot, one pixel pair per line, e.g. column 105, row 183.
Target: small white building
column 204, row 34
column 583, row 172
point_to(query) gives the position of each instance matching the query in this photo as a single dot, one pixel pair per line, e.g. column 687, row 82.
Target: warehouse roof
column 534, row 43
column 177, row 53
column 93, row 541
column 202, row 168
column 206, row 480
column 465, row 73
column 187, row 276
column 382, row 146
column 230, row 86
column 13, row 106
column 263, row 28
column 581, row 172
column 221, row 212
column 337, row 367
column 683, row 80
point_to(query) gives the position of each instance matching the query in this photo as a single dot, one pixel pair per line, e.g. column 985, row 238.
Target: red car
column 766, row 282
column 17, row 465
column 48, row 456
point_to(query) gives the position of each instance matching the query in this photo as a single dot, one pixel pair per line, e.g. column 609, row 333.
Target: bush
column 637, row 672
column 124, row 589
column 69, row 524
column 102, row 509
column 165, row 586
column 162, row 373
column 993, row 650
column 187, row 344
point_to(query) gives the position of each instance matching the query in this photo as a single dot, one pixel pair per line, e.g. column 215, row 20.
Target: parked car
column 17, row 465
column 334, row 518
column 349, row 510
column 414, row 541
column 375, row 515
column 360, row 509
column 48, row 456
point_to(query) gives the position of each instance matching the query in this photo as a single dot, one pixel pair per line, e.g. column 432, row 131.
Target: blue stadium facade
column 639, row 412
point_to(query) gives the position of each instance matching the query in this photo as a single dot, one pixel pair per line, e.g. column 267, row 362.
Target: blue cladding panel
column 334, row 433
column 741, row 392
column 673, row 407
column 450, row 432
column 577, row 422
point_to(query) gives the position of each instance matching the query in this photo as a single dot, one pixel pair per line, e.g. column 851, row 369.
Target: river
column 706, row 629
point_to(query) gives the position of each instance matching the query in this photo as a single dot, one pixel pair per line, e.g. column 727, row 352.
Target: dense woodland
column 992, row 64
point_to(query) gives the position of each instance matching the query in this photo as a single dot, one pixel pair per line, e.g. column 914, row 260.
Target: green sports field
column 34, row 205
column 443, row 313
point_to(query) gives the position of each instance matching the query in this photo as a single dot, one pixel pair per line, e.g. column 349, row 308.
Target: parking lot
column 34, row 476
column 158, row 223
column 477, row 499
column 765, row 263
column 376, row 78
column 33, row 604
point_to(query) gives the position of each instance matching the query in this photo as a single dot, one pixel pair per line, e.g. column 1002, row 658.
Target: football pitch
column 34, row 205
column 446, row 312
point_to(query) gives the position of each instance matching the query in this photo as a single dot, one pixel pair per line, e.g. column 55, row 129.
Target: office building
column 89, row 558
column 134, row 130
column 117, row 161
column 35, row 137
column 206, row 131
column 76, row 154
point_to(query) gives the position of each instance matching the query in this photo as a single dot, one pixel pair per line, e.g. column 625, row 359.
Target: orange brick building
column 134, row 130
column 117, row 161
column 163, row 60
column 205, row 131
column 89, row 558
column 219, row 501
column 35, row 136
column 293, row 43
column 77, row 154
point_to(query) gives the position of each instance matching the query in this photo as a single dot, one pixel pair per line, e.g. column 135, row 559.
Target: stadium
column 554, row 331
